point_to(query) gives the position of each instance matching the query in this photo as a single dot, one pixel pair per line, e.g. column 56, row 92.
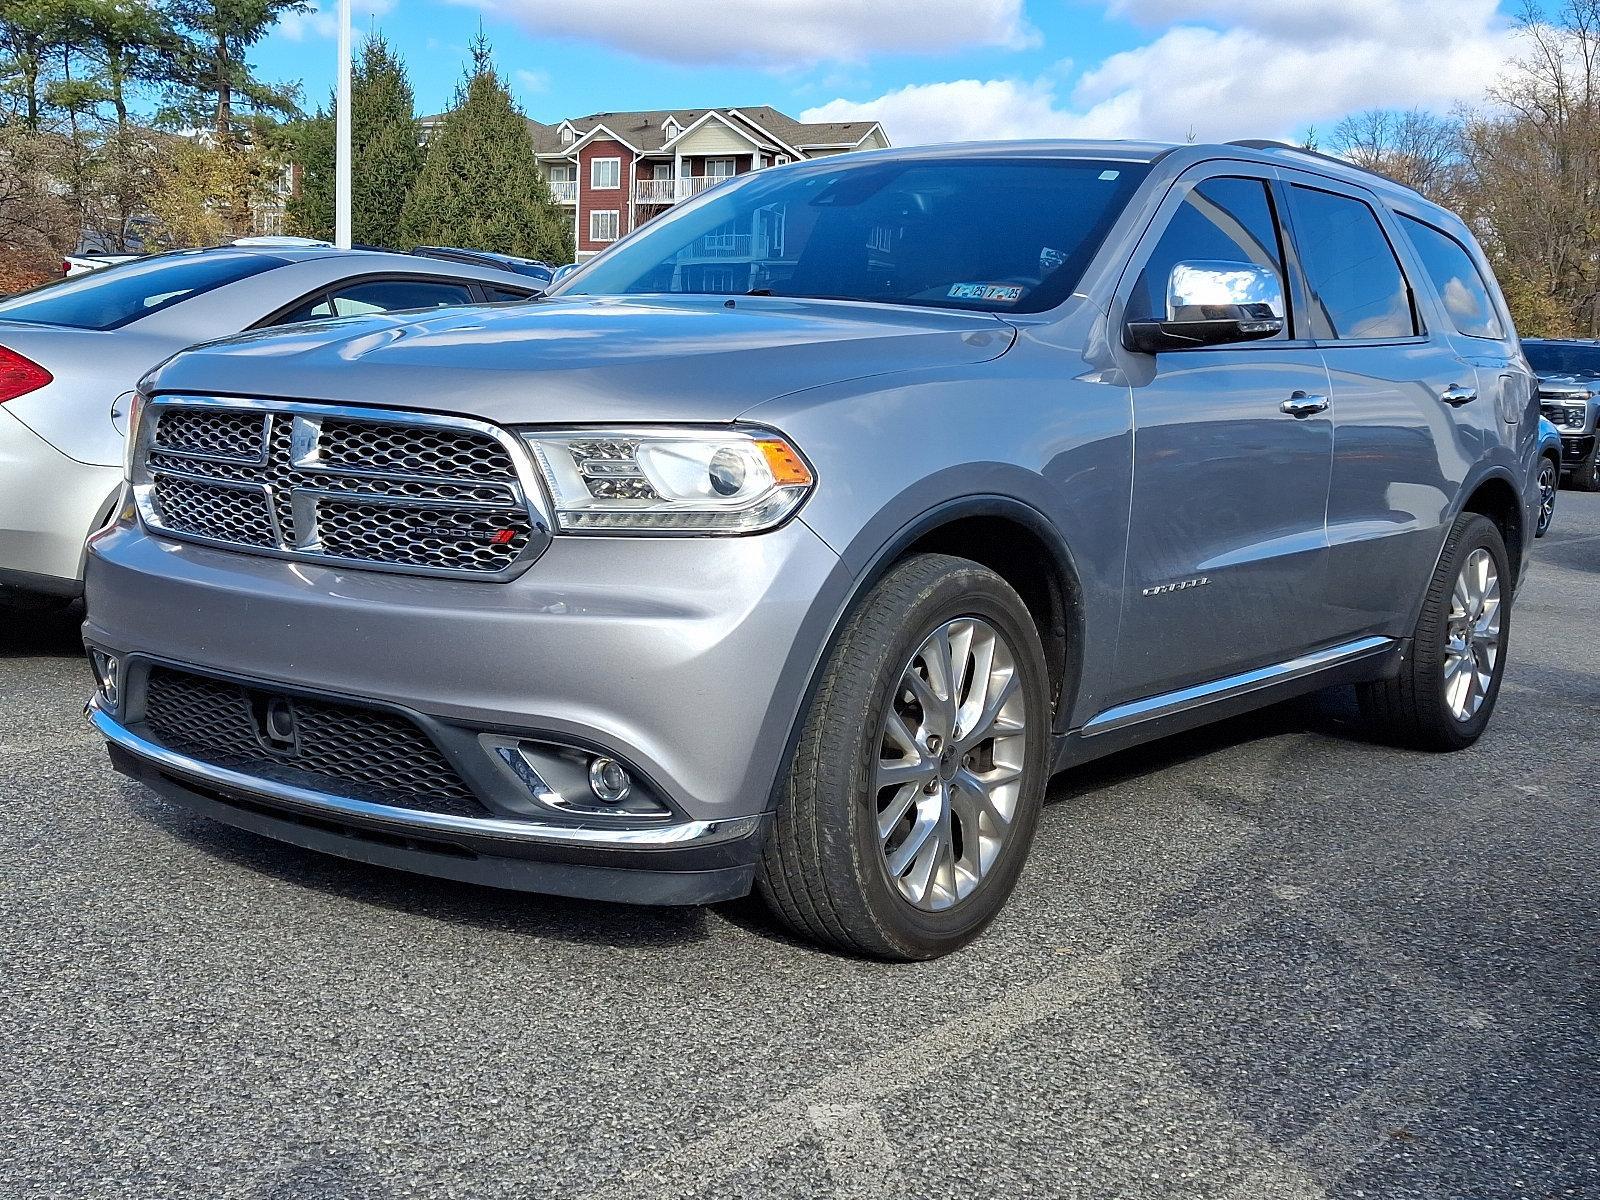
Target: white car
column 72, row 350
column 82, row 264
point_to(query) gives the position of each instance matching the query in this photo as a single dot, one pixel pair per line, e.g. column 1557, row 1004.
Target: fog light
column 104, row 667
column 609, row 780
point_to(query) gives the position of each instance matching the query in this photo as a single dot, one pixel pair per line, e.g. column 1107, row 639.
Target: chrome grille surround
column 380, row 489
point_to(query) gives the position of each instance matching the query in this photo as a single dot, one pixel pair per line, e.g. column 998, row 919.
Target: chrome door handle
column 1455, row 395
column 1304, row 404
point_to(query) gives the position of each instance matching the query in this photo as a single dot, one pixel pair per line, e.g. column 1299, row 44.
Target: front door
column 1233, row 449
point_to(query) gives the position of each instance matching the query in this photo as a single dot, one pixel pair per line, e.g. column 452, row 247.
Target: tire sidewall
column 963, row 593
column 1481, row 535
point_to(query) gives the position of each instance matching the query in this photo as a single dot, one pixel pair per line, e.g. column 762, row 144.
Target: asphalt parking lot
column 1269, row 960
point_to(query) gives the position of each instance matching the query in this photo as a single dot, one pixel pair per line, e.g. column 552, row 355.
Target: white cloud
column 532, row 81
column 1280, row 66
column 322, row 18
column 776, row 33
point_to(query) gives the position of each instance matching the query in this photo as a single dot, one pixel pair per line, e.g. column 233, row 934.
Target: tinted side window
column 499, row 295
column 1461, row 286
column 115, row 296
column 1357, row 287
column 1223, row 220
column 387, row 295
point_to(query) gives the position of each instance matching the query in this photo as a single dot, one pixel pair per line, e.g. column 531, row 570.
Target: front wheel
column 908, row 810
column 1446, row 689
column 1586, row 475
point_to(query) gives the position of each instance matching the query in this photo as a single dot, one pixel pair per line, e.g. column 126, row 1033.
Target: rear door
column 1401, row 449
column 1226, row 547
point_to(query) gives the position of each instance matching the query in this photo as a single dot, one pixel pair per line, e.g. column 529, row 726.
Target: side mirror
column 1212, row 303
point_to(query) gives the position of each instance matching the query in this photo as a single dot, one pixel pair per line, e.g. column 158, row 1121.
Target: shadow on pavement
column 49, row 632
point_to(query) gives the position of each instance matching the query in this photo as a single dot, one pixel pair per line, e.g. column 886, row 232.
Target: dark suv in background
column 1569, row 397
column 797, row 540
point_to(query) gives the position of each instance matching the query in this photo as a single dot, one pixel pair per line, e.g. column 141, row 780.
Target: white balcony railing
column 726, row 245
column 564, row 191
column 670, row 191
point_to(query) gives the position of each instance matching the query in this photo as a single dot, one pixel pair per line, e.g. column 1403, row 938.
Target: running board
column 1172, row 712
column 1166, row 705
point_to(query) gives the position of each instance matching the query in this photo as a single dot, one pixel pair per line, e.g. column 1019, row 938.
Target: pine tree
column 386, row 156
column 384, row 152
column 480, row 184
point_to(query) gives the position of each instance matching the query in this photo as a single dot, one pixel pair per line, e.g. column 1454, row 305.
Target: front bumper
column 1575, row 450
column 686, row 659
column 688, row 862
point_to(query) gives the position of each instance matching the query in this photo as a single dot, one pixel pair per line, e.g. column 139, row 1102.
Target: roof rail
column 1270, row 145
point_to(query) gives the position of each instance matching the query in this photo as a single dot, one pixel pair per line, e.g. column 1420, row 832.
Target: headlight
column 664, row 480
column 130, row 440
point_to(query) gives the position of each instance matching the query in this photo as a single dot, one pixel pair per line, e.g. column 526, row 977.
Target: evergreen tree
column 480, row 184
column 387, row 158
column 217, row 74
column 310, row 147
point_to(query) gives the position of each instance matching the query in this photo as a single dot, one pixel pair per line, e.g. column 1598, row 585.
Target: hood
column 588, row 359
column 1568, row 383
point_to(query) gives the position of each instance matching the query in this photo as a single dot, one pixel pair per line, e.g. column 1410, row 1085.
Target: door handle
column 1303, row 404
column 1455, row 395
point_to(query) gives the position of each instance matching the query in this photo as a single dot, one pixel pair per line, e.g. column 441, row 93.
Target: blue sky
column 936, row 70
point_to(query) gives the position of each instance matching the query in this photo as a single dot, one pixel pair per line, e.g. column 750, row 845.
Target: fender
column 1482, row 472
column 865, row 567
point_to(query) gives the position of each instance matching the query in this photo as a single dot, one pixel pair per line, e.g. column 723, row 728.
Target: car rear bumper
column 48, row 504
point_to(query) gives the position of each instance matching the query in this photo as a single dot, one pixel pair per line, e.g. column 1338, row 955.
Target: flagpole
column 341, row 187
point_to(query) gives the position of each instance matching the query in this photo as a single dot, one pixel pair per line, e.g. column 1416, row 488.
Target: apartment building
column 616, row 170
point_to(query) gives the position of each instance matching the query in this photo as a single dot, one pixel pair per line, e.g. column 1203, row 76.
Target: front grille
column 387, row 491
column 339, row 749
column 1572, row 416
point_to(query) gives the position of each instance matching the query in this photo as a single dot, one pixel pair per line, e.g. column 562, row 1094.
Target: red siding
column 590, row 200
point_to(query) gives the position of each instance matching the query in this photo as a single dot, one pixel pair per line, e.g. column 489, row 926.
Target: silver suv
column 796, row 542
column 1569, row 396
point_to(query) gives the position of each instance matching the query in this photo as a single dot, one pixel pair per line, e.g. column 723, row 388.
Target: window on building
column 603, row 225
column 671, row 129
column 721, row 168
column 605, row 173
column 568, row 135
column 779, row 160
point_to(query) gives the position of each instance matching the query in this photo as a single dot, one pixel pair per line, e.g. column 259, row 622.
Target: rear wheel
column 908, row 811
column 1446, row 689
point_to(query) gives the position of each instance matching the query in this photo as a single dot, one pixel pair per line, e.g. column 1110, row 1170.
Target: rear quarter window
column 116, row 296
column 1456, row 277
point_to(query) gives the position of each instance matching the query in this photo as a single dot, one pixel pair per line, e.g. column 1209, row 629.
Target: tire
column 826, row 869
column 1549, row 487
column 1585, row 476
column 1420, row 707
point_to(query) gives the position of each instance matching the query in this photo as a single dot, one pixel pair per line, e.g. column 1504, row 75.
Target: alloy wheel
column 1548, row 483
column 1472, row 637
column 950, row 762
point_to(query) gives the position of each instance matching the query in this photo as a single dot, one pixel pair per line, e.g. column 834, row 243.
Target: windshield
column 114, row 296
column 1562, row 358
column 995, row 235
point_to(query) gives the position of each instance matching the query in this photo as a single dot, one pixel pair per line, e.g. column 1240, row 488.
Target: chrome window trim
column 678, row 835
column 528, row 493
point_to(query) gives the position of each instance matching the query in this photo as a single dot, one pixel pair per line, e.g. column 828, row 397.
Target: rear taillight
column 66, row 267
column 19, row 376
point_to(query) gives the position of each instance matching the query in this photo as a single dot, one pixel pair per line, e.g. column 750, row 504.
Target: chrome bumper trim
column 681, row 835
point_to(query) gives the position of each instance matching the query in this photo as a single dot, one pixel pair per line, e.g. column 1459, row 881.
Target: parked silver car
column 803, row 535
column 71, row 352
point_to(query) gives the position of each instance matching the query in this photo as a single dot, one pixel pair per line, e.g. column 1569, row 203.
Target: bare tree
column 1417, row 148
column 1531, row 171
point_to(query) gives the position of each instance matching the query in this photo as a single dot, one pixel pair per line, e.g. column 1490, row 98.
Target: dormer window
column 568, row 135
column 671, row 129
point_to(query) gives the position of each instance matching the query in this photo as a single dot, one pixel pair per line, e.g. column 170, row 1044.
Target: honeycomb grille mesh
column 343, row 750
column 405, row 495
column 230, row 514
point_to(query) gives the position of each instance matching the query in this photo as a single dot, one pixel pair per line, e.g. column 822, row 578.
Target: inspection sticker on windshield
column 995, row 293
